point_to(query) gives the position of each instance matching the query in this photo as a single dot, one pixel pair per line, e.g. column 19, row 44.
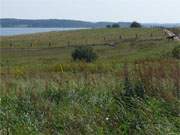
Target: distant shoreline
column 15, row 31
column 65, row 23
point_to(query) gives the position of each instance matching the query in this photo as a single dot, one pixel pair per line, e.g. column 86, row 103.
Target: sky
column 159, row 11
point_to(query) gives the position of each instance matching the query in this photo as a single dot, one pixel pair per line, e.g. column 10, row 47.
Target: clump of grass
column 176, row 52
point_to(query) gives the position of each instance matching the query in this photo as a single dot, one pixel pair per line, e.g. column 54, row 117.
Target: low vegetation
column 176, row 52
column 133, row 88
column 84, row 54
column 115, row 25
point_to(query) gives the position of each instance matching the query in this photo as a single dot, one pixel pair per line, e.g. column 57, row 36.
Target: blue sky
column 93, row 10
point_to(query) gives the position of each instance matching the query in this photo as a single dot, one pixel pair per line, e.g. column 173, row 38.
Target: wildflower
column 107, row 118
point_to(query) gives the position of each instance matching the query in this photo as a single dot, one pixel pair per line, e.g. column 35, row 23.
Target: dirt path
column 170, row 33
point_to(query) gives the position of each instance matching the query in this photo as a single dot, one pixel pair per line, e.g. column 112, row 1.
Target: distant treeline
column 56, row 23
column 52, row 23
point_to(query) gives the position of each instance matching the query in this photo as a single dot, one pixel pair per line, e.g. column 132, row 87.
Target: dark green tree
column 135, row 25
column 115, row 25
column 108, row 26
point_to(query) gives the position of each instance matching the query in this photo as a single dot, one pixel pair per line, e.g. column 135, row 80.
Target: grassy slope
column 61, row 39
column 128, row 48
column 44, row 91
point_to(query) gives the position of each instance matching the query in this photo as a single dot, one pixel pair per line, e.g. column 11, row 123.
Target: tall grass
column 139, row 99
column 43, row 92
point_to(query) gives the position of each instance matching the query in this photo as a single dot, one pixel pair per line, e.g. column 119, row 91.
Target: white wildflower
column 107, row 118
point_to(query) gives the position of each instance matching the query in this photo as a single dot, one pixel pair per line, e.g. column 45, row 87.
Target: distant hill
column 56, row 23
column 52, row 23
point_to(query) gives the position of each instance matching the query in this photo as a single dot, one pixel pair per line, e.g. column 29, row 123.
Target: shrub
column 84, row 53
column 115, row 25
column 128, row 88
column 108, row 26
column 135, row 25
column 133, row 90
column 139, row 90
column 176, row 52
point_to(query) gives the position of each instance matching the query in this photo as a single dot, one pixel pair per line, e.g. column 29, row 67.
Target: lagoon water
column 22, row 31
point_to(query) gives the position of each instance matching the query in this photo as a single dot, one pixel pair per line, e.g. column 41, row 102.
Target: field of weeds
column 133, row 88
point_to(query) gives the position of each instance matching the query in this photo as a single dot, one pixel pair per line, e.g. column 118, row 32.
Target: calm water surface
column 22, row 31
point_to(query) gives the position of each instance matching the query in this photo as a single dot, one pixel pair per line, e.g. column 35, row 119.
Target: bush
column 84, row 53
column 176, row 52
column 115, row 25
column 135, row 25
column 108, row 26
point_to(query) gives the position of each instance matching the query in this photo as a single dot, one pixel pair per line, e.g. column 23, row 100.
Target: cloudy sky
column 93, row 10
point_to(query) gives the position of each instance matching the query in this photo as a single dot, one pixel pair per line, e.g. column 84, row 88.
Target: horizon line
column 92, row 21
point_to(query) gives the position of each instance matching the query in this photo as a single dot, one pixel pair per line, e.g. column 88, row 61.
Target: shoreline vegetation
column 131, row 88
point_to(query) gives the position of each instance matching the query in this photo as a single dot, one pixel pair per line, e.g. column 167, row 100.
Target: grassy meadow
column 133, row 88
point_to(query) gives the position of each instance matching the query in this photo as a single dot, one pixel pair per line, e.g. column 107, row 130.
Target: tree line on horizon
column 133, row 25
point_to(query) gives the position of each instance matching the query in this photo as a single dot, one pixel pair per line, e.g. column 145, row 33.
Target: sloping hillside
column 131, row 89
